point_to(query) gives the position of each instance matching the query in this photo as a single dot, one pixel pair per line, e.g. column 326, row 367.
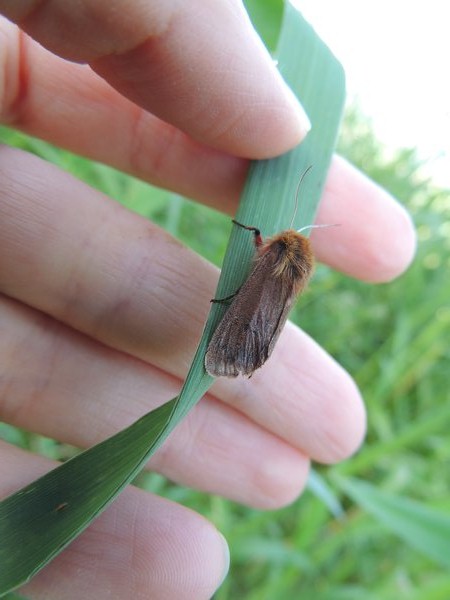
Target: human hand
column 101, row 311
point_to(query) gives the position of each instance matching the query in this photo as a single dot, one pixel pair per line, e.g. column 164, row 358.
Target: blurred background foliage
column 343, row 539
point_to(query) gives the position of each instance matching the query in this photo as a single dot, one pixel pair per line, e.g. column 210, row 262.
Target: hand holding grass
column 101, row 311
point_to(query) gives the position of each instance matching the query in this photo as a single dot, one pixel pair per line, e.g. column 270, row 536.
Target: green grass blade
column 422, row 527
column 318, row 486
column 268, row 200
column 410, row 436
column 37, row 522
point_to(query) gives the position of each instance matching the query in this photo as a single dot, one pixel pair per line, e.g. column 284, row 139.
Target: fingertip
column 285, row 125
column 280, row 480
column 389, row 260
column 376, row 241
column 324, row 417
column 272, row 119
column 212, row 555
column 234, row 100
column 388, row 244
column 226, row 557
column 300, row 118
column 345, row 424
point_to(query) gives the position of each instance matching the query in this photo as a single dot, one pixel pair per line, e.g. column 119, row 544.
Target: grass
column 393, row 338
column 395, row 345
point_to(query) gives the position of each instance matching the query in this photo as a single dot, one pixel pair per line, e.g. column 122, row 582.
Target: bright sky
column 396, row 55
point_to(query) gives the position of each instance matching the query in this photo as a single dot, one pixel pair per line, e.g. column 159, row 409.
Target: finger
column 144, row 146
column 91, row 264
column 303, row 396
column 164, row 52
column 140, row 547
column 66, row 386
column 72, row 107
column 375, row 240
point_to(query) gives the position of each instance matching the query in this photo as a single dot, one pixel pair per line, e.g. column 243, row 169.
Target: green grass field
column 355, row 532
column 377, row 526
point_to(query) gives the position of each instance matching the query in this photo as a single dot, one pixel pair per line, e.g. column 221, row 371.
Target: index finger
column 162, row 54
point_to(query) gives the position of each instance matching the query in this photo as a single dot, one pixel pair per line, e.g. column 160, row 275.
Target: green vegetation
column 393, row 338
column 386, row 538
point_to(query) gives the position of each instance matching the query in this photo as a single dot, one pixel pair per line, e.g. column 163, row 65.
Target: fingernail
column 304, row 123
column 226, row 554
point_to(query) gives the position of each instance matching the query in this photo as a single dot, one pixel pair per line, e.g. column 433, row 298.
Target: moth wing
column 247, row 334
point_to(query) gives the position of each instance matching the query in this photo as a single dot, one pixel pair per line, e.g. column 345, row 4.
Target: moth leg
column 255, row 230
column 224, row 300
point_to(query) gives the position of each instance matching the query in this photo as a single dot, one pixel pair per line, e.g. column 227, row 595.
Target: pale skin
column 101, row 311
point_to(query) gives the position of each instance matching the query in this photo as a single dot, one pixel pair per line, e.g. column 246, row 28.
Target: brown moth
column 247, row 334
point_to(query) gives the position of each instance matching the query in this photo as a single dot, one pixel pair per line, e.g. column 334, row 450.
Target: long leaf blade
column 422, row 527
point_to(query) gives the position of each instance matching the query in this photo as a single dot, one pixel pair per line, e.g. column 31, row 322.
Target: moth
column 247, row 334
column 250, row 328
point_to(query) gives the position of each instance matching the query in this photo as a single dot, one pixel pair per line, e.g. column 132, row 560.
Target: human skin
column 100, row 310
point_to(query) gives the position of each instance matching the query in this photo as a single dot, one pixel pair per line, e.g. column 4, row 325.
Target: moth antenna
column 317, row 226
column 297, row 193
